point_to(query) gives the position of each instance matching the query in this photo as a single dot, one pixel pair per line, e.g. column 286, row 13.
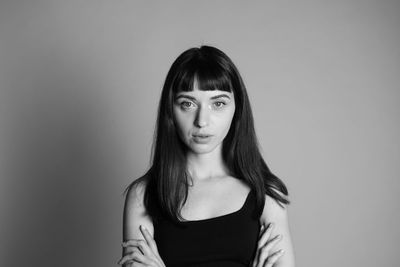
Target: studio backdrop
column 80, row 83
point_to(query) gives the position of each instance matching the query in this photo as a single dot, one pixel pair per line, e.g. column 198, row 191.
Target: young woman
column 208, row 199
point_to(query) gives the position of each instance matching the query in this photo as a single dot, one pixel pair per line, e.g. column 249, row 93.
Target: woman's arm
column 274, row 213
column 139, row 246
column 135, row 213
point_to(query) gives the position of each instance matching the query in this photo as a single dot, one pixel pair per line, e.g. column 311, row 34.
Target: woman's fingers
column 255, row 263
column 134, row 256
column 140, row 244
column 265, row 235
column 142, row 251
column 265, row 252
column 260, row 243
column 270, row 244
column 149, row 239
column 262, row 229
column 273, row 258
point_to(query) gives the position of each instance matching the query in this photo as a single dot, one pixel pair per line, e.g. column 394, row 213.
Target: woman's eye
column 219, row 104
column 186, row 104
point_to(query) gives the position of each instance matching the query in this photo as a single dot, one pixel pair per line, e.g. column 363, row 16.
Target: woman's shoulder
column 277, row 214
column 273, row 210
column 135, row 213
column 136, row 190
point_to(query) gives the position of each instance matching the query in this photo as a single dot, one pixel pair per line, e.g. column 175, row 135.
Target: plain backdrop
column 80, row 83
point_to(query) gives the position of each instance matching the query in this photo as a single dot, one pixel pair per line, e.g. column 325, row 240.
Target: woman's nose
column 203, row 116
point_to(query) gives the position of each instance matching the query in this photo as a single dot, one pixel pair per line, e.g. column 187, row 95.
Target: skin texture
column 203, row 115
column 199, row 112
column 275, row 245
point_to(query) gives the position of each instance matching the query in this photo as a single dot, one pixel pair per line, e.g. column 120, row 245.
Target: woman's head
column 202, row 74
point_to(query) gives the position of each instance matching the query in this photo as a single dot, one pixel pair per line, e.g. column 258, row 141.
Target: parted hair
column 167, row 180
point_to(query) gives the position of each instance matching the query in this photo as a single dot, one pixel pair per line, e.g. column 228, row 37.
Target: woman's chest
column 230, row 238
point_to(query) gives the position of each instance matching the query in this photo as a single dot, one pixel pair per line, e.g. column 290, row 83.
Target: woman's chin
column 201, row 148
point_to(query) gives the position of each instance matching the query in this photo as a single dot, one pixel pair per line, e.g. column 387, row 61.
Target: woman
column 208, row 199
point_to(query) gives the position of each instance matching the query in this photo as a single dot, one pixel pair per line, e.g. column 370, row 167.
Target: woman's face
column 203, row 118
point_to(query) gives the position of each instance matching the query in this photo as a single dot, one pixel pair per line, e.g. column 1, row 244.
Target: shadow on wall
column 59, row 143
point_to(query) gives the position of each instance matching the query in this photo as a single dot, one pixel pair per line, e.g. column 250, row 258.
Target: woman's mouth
column 202, row 138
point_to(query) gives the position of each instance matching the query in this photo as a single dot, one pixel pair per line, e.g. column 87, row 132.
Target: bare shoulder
column 278, row 215
column 135, row 213
column 135, row 194
column 274, row 210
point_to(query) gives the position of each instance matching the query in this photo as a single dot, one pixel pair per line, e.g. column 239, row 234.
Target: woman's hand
column 265, row 256
column 142, row 252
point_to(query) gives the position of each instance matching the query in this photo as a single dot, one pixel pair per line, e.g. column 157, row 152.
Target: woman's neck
column 202, row 167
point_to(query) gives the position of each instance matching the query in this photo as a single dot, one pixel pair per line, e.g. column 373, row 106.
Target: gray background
column 80, row 83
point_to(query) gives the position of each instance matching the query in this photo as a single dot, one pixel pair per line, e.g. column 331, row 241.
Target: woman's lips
column 202, row 139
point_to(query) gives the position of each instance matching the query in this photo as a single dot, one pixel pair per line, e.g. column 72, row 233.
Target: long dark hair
column 167, row 179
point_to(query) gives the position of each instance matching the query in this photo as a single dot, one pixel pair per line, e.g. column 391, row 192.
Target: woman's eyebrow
column 194, row 99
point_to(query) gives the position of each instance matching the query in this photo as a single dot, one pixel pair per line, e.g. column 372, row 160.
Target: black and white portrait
column 199, row 133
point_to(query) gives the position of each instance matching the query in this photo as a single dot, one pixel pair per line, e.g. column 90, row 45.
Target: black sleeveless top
column 226, row 241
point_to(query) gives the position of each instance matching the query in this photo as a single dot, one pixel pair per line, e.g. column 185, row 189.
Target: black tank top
column 226, row 241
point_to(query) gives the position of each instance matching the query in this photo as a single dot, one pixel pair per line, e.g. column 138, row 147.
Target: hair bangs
column 210, row 79
column 184, row 81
